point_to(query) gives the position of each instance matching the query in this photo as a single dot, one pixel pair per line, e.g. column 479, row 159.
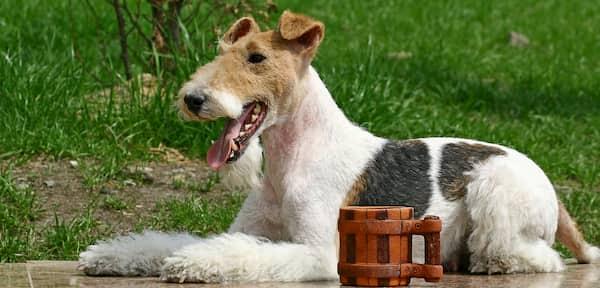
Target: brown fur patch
column 568, row 234
column 357, row 188
column 241, row 28
column 305, row 32
column 457, row 159
column 270, row 81
column 293, row 26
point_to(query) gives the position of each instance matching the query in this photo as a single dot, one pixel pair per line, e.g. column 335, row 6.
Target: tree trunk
column 123, row 37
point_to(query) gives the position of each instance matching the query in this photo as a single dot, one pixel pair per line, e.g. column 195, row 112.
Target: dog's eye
column 256, row 58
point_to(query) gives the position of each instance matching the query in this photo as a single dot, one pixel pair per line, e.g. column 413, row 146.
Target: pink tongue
column 218, row 153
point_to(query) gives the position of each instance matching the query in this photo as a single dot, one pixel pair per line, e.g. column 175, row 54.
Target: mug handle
column 432, row 270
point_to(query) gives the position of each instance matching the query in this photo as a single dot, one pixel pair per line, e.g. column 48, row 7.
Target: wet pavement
column 59, row 274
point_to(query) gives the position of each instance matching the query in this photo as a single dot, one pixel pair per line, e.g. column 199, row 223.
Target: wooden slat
column 395, row 245
column 347, row 246
column 372, row 244
column 371, row 270
column 361, row 247
column 390, row 227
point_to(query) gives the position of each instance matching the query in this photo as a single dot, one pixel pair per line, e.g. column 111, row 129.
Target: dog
column 500, row 212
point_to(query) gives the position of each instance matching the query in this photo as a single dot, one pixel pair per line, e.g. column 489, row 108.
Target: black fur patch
column 458, row 158
column 398, row 175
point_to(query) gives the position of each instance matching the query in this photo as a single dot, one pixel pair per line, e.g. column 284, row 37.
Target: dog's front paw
column 119, row 258
column 180, row 268
column 96, row 261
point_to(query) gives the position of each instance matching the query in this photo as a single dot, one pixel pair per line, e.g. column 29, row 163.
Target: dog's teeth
column 257, row 108
column 242, row 133
column 232, row 154
column 234, row 146
column 247, row 126
column 253, row 117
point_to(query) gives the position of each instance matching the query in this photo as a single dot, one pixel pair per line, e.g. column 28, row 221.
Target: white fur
column 230, row 105
column 132, row 255
column 313, row 156
column 510, row 210
column 513, row 212
column 452, row 213
column 311, row 160
column 240, row 257
column 592, row 254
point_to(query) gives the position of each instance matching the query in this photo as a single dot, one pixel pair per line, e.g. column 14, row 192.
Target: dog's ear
column 304, row 32
column 239, row 29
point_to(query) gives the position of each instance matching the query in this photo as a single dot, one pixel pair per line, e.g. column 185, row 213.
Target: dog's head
column 252, row 81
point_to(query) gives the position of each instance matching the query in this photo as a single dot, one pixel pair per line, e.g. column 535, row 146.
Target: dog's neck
column 315, row 114
column 316, row 135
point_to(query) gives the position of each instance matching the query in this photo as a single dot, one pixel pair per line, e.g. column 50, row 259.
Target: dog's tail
column 569, row 235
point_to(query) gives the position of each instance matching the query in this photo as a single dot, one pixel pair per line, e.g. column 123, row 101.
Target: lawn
column 402, row 69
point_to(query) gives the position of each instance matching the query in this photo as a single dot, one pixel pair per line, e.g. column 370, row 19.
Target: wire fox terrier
column 500, row 212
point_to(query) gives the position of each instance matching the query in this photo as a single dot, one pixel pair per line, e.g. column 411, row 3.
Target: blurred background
column 91, row 144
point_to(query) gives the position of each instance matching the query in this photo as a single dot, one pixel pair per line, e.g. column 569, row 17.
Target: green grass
column 196, row 215
column 114, row 203
column 21, row 239
column 463, row 80
column 18, row 208
column 66, row 238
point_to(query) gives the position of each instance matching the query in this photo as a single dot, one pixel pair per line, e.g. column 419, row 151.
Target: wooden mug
column 376, row 246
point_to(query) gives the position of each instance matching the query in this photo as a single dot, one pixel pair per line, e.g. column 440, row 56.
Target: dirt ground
column 69, row 187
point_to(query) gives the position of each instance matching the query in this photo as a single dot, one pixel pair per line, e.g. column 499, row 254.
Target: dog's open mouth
column 234, row 139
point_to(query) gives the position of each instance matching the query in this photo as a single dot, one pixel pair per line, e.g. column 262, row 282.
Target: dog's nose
column 194, row 101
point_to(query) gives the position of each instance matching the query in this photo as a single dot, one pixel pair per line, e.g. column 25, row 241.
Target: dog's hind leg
column 513, row 218
column 132, row 255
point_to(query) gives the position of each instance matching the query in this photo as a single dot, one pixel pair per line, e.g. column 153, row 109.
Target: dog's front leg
column 134, row 254
column 240, row 257
column 259, row 216
column 246, row 258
